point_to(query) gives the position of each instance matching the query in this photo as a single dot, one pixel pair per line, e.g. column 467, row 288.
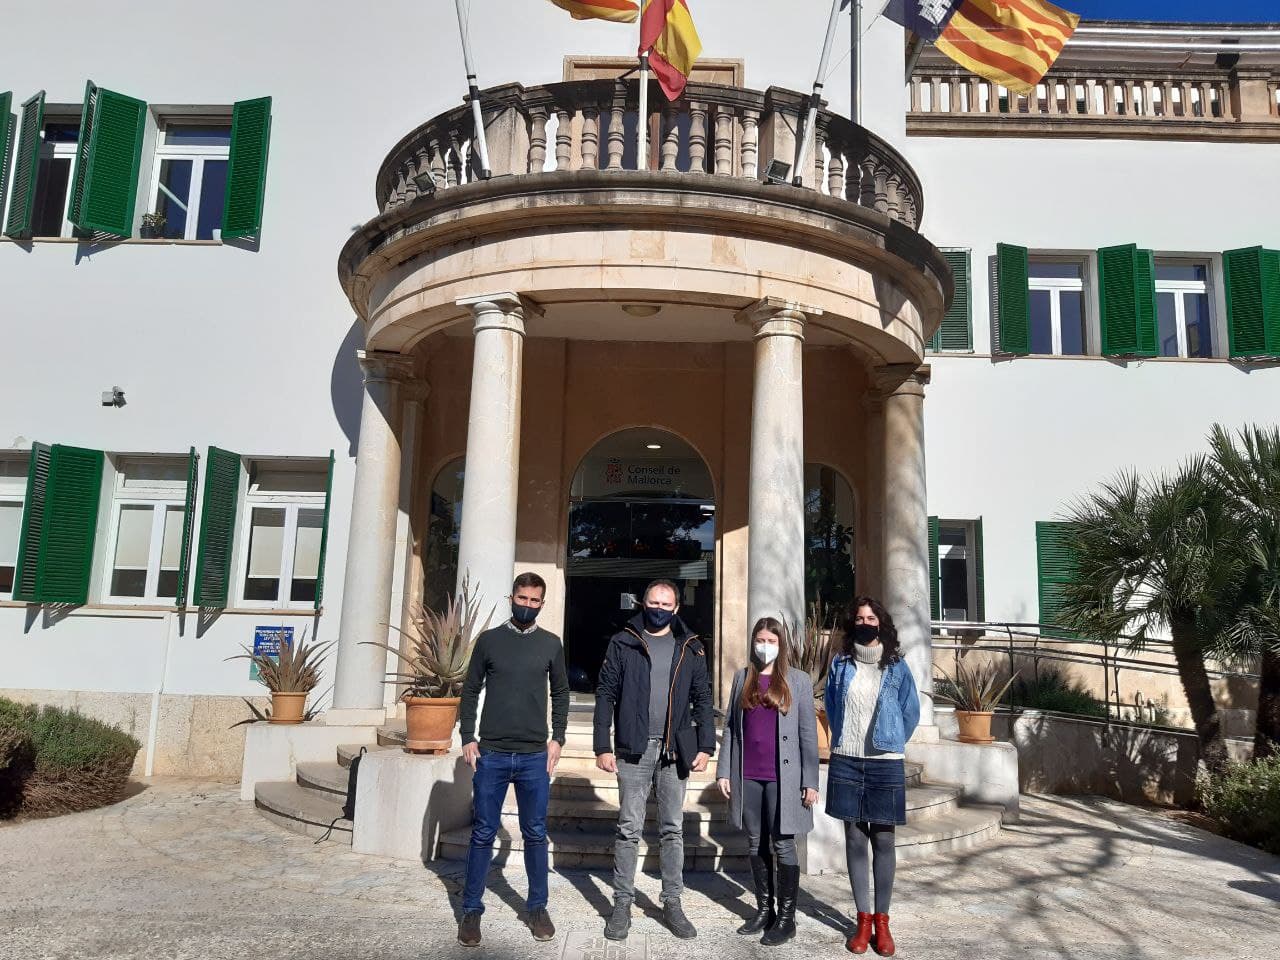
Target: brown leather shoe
column 882, row 939
column 469, row 929
column 860, row 939
column 541, row 925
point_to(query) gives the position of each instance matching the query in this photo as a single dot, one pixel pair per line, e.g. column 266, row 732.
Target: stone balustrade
column 713, row 131
column 1189, row 104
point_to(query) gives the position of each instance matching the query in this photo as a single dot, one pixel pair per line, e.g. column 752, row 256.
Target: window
column 53, row 179
column 1056, row 307
column 190, row 177
column 1182, row 309
column 956, row 590
column 145, row 535
column 280, row 552
column 956, row 331
column 13, row 488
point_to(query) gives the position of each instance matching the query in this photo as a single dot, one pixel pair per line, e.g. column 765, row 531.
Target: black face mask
column 655, row 618
column 865, row 633
column 523, row 615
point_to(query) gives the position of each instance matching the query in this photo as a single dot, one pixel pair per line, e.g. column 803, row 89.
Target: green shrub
column 1052, row 690
column 75, row 762
column 1245, row 801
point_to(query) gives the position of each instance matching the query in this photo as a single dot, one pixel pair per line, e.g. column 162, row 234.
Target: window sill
column 1089, row 356
column 106, row 609
column 126, row 240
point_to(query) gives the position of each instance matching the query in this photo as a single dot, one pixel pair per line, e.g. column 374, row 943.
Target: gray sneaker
column 673, row 916
column 619, row 922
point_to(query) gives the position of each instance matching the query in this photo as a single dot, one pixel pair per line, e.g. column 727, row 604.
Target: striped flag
column 1010, row 42
column 619, row 11
column 925, row 18
column 667, row 32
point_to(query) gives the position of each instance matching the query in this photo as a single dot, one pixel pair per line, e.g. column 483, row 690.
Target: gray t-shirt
column 661, row 650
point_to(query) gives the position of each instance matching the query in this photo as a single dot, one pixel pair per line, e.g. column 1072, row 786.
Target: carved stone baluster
column 915, row 94
column 819, row 155
column 1033, row 99
column 590, row 138
column 437, row 163
column 670, row 138
column 724, row 142
column 410, row 188
column 935, row 94
column 835, row 170
column 454, row 160
column 750, row 144
column 421, row 160
column 617, row 143
column 867, row 182
column 882, row 188
column 397, row 186
column 893, row 189
column 697, row 137
column 974, row 105
column 537, row 139
column 564, row 137
column 1184, row 93
column 1148, row 99
column 910, row 212
column 1126, row 93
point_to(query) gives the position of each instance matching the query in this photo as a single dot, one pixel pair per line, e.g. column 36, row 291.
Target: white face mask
column 767, row 652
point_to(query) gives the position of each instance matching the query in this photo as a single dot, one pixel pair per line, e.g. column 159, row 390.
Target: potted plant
column 290, row 674
column 815, row 659
column 975, row 694
column 439, row 652
column 153, row 225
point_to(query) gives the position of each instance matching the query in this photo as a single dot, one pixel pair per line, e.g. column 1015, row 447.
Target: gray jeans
column 760, row 822
column 637, row 777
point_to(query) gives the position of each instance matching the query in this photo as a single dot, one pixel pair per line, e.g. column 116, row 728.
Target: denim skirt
column 867, row 790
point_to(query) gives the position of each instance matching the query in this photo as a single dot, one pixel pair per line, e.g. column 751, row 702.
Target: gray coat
column 797, row 753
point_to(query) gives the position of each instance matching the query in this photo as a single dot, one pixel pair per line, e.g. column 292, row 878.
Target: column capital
column 901, row 379
column 502, row 310
column 776, row 317
column 383, row 366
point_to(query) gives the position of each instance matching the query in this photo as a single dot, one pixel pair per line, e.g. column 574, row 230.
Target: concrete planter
column 288, row 707
column 975, row 726
column 429, row 723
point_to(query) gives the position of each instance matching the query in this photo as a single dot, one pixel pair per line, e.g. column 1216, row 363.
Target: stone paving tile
column 184, row 869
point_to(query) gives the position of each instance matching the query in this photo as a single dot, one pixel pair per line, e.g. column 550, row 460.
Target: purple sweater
column 760, row 740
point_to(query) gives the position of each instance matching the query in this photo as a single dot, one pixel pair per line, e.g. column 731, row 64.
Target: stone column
column 775, row 498
column 375, row 503
column 487, row 550
column 406, row 590
column 906, row 522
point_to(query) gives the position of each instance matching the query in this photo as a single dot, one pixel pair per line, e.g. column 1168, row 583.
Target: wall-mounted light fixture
column 776, row 171
column 426, row 184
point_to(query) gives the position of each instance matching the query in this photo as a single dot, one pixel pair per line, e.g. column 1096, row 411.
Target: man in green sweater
column 514, row 663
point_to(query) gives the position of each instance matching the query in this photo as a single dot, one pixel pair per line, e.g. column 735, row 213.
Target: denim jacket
column 897, row 707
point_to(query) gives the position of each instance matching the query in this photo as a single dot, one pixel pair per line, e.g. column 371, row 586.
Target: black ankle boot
column 784, row 928
column 762, row 877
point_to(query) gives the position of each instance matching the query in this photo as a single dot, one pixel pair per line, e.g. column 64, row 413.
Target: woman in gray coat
column 768, row 771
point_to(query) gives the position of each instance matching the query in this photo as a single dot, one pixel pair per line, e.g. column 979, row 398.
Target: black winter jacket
column 622, row 697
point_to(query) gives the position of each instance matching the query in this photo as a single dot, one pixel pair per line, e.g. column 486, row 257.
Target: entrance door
column 642, row 509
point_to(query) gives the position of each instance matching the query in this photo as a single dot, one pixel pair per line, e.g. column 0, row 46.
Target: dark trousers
column 495, row 772
column 760, row 821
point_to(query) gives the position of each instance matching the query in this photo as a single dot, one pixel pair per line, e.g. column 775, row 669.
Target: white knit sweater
column 860, row 707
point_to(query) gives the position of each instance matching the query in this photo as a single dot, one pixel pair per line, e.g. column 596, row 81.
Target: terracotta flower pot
column 975, row 726
column 429, row 723
column 288, row 707
column 824, row 735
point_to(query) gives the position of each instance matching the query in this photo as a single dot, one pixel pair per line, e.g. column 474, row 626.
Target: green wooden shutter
column 70, row 525
column 1127, row 296
column 188, row 523
column 23, row 196
column 247, row 168
column 108, row 157
column 1055, row 567
column 24, row 577
column 935, row 597
column 979, row 575
column 217, row 528
column 324, row 534
column 1013, row 300
column 1252, row 276
column 6, row 145
column 956, row 332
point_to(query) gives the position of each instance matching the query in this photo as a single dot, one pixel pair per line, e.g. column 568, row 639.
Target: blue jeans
column 495, row 771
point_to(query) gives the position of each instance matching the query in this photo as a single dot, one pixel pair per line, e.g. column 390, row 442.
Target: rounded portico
column 577, row 294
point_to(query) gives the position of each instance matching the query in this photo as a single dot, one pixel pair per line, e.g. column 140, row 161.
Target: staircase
column 583, row 811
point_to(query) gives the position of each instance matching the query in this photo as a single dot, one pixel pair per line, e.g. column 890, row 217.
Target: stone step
column 304, row 811
column 324, row 777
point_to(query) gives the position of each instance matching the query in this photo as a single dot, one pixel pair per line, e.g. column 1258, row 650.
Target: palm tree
column 1158, row 558
column 1249, row 473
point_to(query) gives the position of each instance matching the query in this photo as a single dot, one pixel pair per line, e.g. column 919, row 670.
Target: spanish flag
column 1010, row 42
column 619, row 11
column 667, row 32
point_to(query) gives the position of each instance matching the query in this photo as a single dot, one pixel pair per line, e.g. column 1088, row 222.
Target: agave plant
column 815, row 653
column 439, row 647
column 974, row 691
column 295, row 668
column 314, row 709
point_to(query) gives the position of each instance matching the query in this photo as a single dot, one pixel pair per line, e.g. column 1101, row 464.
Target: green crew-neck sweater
column 515, row 670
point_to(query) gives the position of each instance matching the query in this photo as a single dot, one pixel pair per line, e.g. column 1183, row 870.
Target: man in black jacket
column 655, row 691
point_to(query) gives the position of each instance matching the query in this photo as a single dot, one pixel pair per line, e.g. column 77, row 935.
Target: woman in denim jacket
column 872, row 708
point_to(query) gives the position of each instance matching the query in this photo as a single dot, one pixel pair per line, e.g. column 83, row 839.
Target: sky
column 1181, row 11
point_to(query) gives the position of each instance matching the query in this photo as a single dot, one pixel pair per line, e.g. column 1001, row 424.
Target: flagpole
column 913, row 55
column 473, row 91
column 642, row 122
column 815, row 98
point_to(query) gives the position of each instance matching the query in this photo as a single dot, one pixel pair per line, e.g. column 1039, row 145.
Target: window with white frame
column 189, row 179
column 957, row 570
column 13, row 490
column 145, row 536
column 1183, row 317
column 282, row 533
column 53, row 177
column 1056, row 304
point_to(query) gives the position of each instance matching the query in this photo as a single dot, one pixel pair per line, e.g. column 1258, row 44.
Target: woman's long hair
column 778, row 696
column 889, row 645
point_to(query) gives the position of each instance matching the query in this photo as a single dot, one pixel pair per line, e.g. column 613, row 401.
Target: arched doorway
column 642, row 506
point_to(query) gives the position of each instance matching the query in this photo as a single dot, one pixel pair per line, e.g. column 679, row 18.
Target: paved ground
column 185, row 870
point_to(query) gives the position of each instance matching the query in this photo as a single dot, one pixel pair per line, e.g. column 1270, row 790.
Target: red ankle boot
column 883, row 939
column 860, row 939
